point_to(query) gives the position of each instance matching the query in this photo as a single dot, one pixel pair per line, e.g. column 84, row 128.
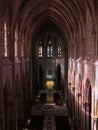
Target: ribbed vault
column 49, row 29
column 68, row 16
column 35, row 15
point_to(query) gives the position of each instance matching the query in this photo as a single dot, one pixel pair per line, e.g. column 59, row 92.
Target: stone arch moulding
column 7, row 90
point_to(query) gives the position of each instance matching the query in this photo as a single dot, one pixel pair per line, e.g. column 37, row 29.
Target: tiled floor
column 55, row 117
column 49, row 109
column 49, row 123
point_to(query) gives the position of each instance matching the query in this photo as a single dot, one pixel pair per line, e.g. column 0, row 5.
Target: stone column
column 88, row 70
column 96, row 87
column 78, row 79
column 96, row 96
column 78, row 88
column 95, row 123
column 87, row 76
column 73, row 87
column 73, row 74
column 69, row 83
column 1, row 95
column 69, row 70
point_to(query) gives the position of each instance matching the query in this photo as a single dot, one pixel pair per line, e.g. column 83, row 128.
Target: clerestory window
column 5, row 41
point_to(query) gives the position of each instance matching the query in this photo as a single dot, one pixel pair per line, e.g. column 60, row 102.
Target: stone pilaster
column 1, row 43
column 96, row 88
column 87, row 72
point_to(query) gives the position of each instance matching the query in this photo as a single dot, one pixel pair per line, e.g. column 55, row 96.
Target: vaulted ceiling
column 35, row 17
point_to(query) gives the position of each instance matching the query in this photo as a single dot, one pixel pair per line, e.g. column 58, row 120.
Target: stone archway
column 5, row 93
column 88, row 97
column 7, row 109
column 18, row 100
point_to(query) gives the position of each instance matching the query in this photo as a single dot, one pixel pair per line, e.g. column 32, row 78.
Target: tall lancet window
column 16, row 43
column 49, row 49
column 5, row 41
column 22, row 47
column 59, row 52
column 22, row 50
column 40, row 50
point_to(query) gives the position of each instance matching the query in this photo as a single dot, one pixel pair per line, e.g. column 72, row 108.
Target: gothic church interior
column 49, row 65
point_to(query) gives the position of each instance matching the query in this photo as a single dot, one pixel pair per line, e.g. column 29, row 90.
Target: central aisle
column 49, row 117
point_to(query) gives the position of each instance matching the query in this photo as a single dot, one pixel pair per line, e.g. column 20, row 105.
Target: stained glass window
column 40, row 50
column 59, row 51
column 22, row 46
column 16, row 43
column 49, row 50
column 22, row 50
column 5, row 40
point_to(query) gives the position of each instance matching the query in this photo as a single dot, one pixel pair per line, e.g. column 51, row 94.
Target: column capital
column 86, row 61
column 95, row 118
column 96, row 63
column 70, row 59
column 79, row 59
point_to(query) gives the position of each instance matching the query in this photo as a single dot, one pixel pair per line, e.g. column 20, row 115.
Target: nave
column 49, row 116
column 48, row 51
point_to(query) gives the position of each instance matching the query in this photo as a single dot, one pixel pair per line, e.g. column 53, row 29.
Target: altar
column 49, row 96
